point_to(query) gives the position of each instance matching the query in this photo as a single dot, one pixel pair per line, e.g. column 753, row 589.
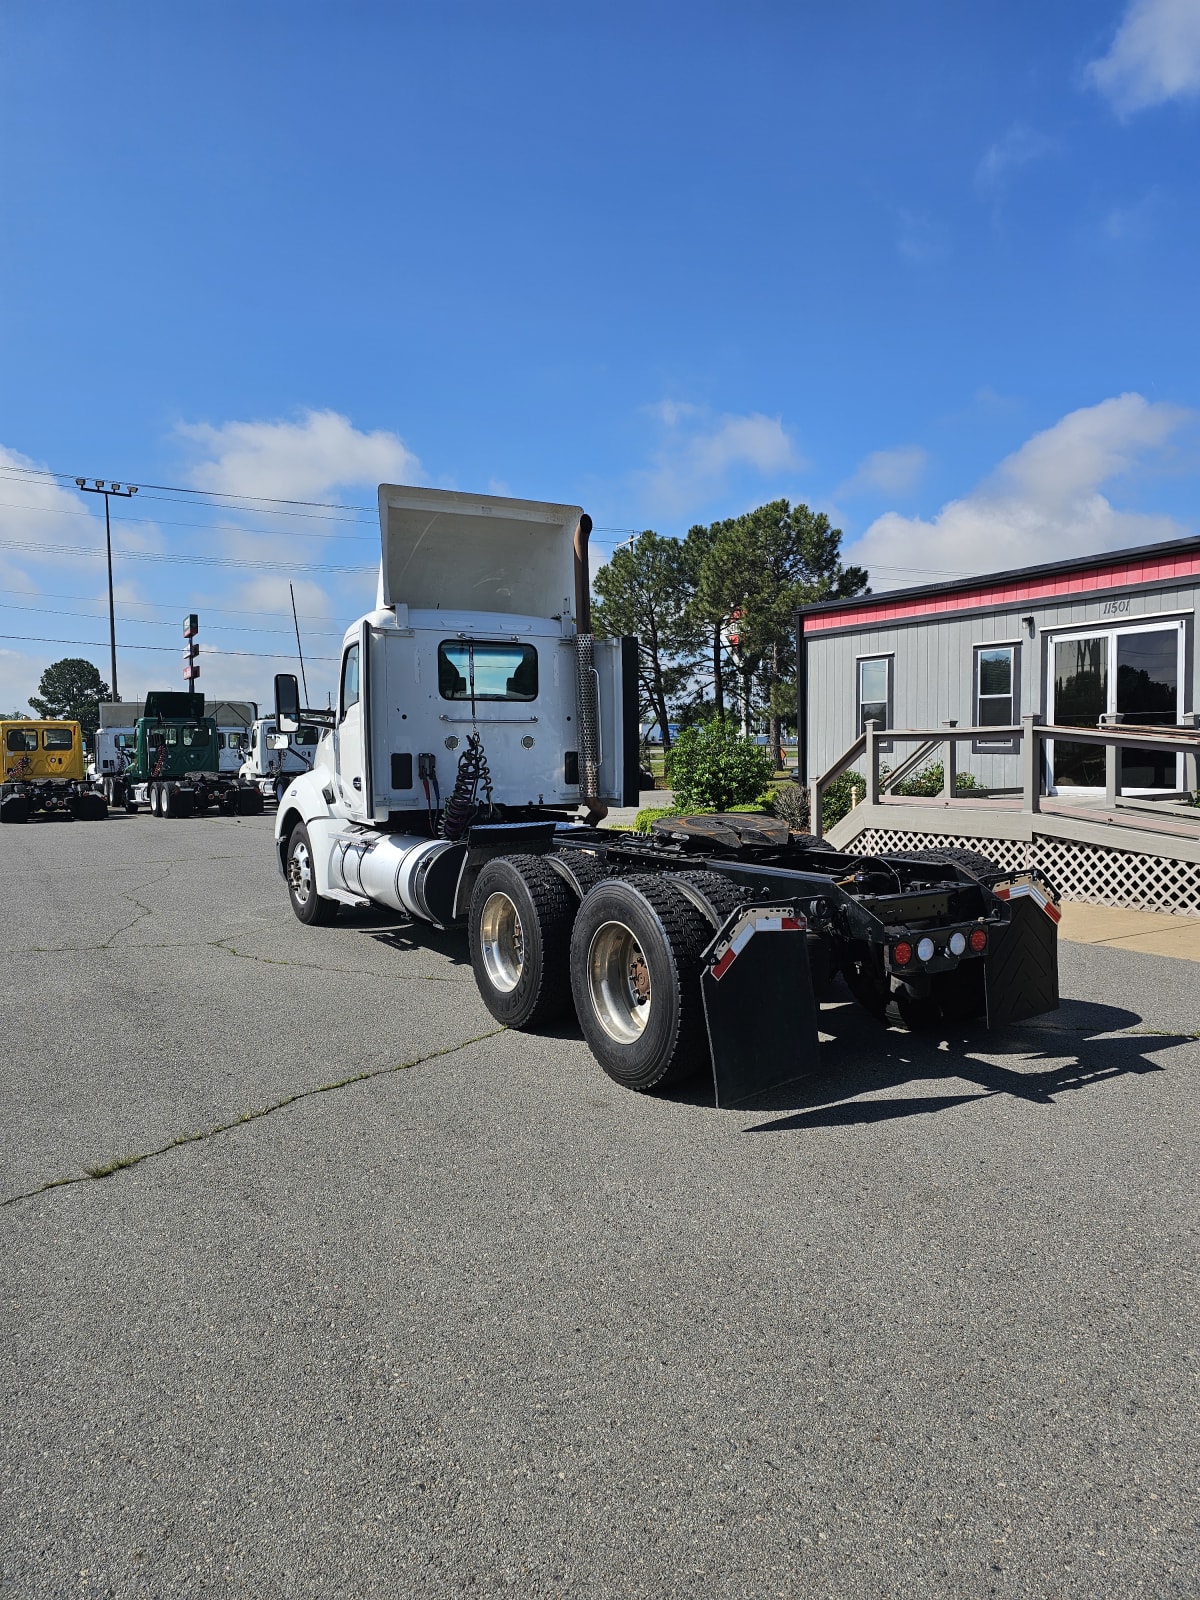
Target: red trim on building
column 1049, row 586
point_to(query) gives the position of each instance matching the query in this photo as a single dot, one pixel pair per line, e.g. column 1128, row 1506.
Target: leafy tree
column 644, row 591
column 715, row 766
column 71, row 688
column 707, row 618
column 759, row 568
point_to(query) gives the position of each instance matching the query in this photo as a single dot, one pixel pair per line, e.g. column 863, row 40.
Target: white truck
column 272, row 759
column 114, row 749
column 479, row 736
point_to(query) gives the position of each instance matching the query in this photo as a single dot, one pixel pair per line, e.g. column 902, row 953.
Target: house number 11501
column 1114, row 608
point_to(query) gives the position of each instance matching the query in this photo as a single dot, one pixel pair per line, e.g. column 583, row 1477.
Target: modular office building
column 1069, row 642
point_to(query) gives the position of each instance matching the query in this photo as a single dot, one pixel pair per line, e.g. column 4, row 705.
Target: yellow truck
column 43, row 772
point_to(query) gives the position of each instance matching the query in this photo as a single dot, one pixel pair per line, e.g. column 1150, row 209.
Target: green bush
column 712, row 766
column 930, row 779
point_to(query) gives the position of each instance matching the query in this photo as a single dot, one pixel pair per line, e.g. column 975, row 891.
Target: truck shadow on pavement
column 1083, row 1044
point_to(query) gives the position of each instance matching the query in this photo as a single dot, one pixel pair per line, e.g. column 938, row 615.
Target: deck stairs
column 1110, row 849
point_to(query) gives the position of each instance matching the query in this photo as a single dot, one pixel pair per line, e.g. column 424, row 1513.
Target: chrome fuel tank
column 404, row 871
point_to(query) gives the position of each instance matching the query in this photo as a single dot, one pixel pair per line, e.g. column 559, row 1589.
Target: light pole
column 98, row 486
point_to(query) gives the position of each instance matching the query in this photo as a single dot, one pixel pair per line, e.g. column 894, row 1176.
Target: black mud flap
column 1020, row 969
column 758, row 1003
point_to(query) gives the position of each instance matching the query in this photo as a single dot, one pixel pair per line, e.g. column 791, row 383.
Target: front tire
column 635, row 973
column 309, row 906
column 519, row 926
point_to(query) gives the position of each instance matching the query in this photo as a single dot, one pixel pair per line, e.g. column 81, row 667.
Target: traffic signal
column 191, row 646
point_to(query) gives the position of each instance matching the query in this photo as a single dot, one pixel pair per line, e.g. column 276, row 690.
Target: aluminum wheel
column 501, row 942
column 619, row 982
column 300, row 878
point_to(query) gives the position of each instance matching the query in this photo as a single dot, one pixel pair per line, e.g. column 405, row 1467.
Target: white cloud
column 1154, row 57
column 1015, row 149
column 308, row 459
column 1043, row 503
column 888, row 471
column 699, row 454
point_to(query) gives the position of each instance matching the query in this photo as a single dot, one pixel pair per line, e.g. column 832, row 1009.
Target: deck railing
column 1030, row 736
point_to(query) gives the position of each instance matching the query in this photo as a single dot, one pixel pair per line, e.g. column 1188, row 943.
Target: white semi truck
column 272, row 759
column 480, row 734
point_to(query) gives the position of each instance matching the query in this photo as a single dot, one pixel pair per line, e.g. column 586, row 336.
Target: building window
column 874, row 691
column 996, row 695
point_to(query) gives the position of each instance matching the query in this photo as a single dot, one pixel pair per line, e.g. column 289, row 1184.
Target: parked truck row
column 480, row 734
column 171, row 758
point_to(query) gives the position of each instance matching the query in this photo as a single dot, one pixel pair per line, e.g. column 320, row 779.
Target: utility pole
column 98, row 486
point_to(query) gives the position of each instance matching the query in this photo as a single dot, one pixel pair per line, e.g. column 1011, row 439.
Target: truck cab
column 271, row 758
column 43, row 771
column 473, row 694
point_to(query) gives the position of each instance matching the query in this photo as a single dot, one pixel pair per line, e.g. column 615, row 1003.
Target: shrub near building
column 713, row 766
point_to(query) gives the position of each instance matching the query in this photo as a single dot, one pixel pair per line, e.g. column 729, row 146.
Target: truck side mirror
column 287, row 702
column 278, row 741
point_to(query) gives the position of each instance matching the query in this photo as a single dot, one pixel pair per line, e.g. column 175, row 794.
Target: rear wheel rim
column 502, row 942
column 300, row 872
column 619, row 982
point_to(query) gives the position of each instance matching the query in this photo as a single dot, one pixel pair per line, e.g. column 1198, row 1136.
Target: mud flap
column 758, row 1003
column 1021, row 968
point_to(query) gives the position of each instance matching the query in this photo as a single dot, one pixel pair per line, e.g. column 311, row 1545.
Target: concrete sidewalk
column 1153, row 932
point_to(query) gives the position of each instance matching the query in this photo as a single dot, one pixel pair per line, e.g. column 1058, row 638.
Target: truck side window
column 349, row 679
column 57, row 738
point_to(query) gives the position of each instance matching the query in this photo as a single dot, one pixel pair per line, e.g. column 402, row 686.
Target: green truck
column 174, row 764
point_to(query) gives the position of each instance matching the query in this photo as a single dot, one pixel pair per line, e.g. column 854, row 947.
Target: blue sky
column 929, row 267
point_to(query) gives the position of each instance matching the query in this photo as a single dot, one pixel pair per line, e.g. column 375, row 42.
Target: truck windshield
column 57, row 738
column 500, row 671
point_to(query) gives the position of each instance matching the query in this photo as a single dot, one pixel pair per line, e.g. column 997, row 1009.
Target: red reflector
column 902, row 954
column 978, row 939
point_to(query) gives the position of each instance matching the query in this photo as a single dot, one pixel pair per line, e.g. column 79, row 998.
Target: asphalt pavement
column 315, row 1284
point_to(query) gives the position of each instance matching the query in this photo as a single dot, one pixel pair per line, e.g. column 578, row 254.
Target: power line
column 92, row 644
column 155, row 622
column 197, row 561
column 160, row 605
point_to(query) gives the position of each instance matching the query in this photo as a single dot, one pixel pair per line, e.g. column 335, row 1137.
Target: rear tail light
column 978, row 940
column 958, row 944
column 901, row 954
column 926, row 950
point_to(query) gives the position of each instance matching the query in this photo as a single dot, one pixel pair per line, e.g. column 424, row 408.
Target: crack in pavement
column 320, row 966
column 227, row 948
column 105, row 1169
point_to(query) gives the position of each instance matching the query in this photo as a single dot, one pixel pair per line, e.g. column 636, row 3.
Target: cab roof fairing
column 441, row 550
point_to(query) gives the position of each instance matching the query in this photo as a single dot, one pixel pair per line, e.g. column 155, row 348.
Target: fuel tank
column 402, row 870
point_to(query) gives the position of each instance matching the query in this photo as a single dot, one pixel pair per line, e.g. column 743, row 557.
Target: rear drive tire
column 975, row 863
column 519, row 926
column 14, row 808
column 635, row 974
column 248, row 803
column 308, row 905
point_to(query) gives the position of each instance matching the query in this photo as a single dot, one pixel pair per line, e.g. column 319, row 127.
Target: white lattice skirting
column 1078, row 871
